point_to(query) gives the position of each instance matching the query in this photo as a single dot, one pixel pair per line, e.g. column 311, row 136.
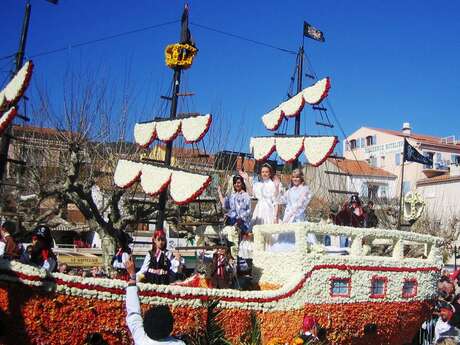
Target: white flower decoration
column 262, row 147
column 168, row 130
column 317, row 149
column 317, row 92
column 144, row 133
column 289, row 148
column 195, row 128
column 293, row 106
column 126, row 173
column 154, row 179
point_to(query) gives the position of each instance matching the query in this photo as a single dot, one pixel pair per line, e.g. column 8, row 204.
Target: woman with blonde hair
column 296, row 198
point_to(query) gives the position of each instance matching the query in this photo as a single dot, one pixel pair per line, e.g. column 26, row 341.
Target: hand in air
column 243, row 174
column 129, row 264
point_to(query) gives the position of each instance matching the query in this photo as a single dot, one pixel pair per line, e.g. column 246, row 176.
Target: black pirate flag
column 312, row 32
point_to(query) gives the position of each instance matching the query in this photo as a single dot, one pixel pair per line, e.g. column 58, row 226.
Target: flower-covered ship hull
column 51, row 308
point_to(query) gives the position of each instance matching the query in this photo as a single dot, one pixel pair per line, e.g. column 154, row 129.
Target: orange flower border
column 35, row 316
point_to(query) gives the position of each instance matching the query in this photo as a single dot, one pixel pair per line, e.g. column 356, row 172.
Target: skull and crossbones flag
column 412, row 155
column 312, row 32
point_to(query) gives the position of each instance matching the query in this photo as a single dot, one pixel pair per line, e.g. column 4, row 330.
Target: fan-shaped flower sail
column 168, row 130
column 144, row 133
column 289, row 148
column 262, row 147
column 17, row 86
column 6, row 118
column 273, row 119
column 195, row 128
column 317, row 149
column 154, row 179
column 186, row 187
column 126, row 173
column 317, row 92
column 293, row 106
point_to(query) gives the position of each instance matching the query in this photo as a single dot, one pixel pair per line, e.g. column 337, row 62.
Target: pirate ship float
column 351, row 294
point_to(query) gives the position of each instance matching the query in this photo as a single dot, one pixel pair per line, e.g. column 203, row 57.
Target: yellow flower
column 275, row 341
column 297, row 341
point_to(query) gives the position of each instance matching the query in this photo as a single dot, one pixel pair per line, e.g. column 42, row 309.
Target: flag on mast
column 312, row 32
column 412, row 155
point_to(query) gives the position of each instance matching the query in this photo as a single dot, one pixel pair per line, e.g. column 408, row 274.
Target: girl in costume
column 155, row 269
column 266, row 191
column 237, row 205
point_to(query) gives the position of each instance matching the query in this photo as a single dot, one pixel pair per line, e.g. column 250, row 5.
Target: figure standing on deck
column 237, row 205
column 155, row 268
column 266, row 191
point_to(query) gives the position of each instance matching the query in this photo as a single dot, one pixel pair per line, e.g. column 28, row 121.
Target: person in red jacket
column 11, row 251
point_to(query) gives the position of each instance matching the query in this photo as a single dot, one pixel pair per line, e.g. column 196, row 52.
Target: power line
column 244, row 38
column 105, row 38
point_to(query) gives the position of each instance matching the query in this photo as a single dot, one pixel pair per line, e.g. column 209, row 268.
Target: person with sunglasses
column 156, row 266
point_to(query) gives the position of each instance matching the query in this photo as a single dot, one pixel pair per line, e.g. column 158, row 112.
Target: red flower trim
column 280, row 119
column 196, row 194
column 173, row 137
column 23, row 88
column 267, row 154
column 334, row 278
column 152, row 138
column 162, row 187
column 385, row 286
column 129, row 184
column 414, row 291
column 325, row 92
column 298, row 111
column 202, row 297
column 336, row 141
column 9, row 115
column 202, row 134
column 295, row 156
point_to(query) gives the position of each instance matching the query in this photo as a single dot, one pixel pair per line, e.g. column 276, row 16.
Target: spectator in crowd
column 447, row 341
column 309, row 330
column 222, row 271
column 443, row 327
column 266, row 191
column 63, row 268
column 177, row 267
column 10, row 248
column 95, row 339
column 118, row 262
column 41, row 253
column 157, row 264
column 370, row 218
column 158, row 322
column 237, row 205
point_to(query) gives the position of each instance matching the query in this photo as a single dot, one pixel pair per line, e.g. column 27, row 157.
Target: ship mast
column 300, row 54
column 185, row 40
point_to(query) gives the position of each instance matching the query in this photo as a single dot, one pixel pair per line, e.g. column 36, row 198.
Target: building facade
column 383, row 148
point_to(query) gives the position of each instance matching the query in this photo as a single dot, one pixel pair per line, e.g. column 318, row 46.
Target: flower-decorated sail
column 273, row 119
column 262, row 147
column 186, row 187
column 289, row 148
column 193, row 128
column 154, row 179
column 168, row 130
column 292, row 107
column 317, row 149
column 6, row 118
column 144, row 133
column 126, row 173
column 17, row 86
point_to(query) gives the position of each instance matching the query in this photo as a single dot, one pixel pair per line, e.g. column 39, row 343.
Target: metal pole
column 168, row 151
column 5, row 142
column 295, row 164
column 401, row 186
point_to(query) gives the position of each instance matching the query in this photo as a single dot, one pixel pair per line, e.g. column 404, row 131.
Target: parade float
column 359, row 298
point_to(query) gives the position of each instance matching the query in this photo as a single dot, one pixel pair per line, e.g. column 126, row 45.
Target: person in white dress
column 266, row 191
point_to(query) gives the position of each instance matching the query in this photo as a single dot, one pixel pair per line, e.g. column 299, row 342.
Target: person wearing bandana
column 156, row 266
column 41, row 253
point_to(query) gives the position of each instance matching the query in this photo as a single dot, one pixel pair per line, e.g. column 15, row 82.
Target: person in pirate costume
column 156, row 266
column 41, row 254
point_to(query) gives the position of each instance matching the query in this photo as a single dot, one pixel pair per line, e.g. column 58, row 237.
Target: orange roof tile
column 359, row 168
column 438, row 179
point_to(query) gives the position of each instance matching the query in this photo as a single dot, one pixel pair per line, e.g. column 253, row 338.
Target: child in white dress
column 266, row 191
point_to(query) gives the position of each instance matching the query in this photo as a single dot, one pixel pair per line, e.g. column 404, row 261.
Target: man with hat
column 42, row 254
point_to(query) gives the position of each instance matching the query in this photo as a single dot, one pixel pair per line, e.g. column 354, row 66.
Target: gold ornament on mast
column 180, row 55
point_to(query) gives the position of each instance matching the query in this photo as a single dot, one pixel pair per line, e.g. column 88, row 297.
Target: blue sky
column 389, row 61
